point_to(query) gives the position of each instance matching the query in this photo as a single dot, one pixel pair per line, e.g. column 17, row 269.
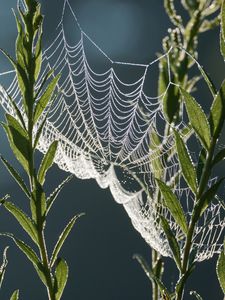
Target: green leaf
column 38, row 56
column 222, row 46
column 187, row 167
column 47, row 161
column 208, row 196
column 16, row 176
column 207, row 79
column 30, row 254
column 197, row 119
column 3, row 266
column 15, row 295
column 201, row 163
column 223, row 20
column 148, row 271
column 220, row 269
column 51, row 199
column 62, row 239
column 217, row 112
column 19, row 145
column 171, row 103
column 25, row 222
column 46, row 98
column 155, row 162
column 173, row 205
column 174, row 246
column 196, row 295
column 61, row 276
column 182, row 280
column 219, row 157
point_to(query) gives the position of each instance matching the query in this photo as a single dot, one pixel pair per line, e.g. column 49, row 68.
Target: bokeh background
column 100, row 248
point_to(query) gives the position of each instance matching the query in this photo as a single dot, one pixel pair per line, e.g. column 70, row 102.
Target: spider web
column 106, row 129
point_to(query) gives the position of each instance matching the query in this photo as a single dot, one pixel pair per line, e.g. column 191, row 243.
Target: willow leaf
column 174, row 246
column 38, row 56
column 61, row 276
column 51, row 199
column 222, row 46
column 187, row 167
column 219, row 157
column 150, row 274
column 217, row 112
column 15, row 295
column 173, row 204
column 25, row 222
column 19, row 146
column 47, row 162
column 45, row 98
column 16, row 176
column 209, row 195
column 30, row 254
column 223, row 20
column 197, row 119
column 220, row 269
column 3, row 266
column 196, row 295
column 62, row 239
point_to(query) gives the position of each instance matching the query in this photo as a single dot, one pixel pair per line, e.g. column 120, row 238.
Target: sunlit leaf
column 217, row 112
column 46, row 98
column 15, row 295
column 16, row 176
column 51, row 199
column 25, row 222
column 148, row 271
column 187, row 167
column 62, row 239
column 220, row 269
column 173, row 204
column 174, row 246
column 197, row 119
column 30, row 254
column 47, row 161
column 3, row 266
column 61, row 276
column 196, row 295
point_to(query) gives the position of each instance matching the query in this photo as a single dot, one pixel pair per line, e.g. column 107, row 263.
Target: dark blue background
column 101, row 246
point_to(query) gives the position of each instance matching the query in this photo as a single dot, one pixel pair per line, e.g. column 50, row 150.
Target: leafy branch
column 51, row 269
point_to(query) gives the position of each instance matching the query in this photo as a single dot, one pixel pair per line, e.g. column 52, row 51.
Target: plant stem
column 155, row 290
column 195, row 215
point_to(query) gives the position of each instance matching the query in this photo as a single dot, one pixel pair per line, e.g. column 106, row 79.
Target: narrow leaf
column 187, row 167
column 148, row 271
column 61, row 276
column 174, row 246
column 25, row 222
column 173, row 205
column 45, row 98
column 208, row 197
column 62, row 239
column 3, row 266
column 196, row 295
column 51, row 199
column 217, row 112
column 222, row 46
column 19, row 146
column 220, row 269
column 30, row 254
column 16, row 176
column 201, row 163
column 15, row 295
column 38, row 56
column 219, row 157
column 47, row 161
column 197, row 119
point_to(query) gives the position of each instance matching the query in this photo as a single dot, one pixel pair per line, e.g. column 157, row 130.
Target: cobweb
column 106, row 130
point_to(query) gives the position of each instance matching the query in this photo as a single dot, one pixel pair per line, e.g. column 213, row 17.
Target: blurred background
column 100, row 249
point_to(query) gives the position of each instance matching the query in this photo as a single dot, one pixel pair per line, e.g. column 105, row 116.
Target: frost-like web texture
column 106, row 130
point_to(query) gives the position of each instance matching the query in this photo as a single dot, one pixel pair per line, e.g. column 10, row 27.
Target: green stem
column 195, row 215
column 155, row 290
